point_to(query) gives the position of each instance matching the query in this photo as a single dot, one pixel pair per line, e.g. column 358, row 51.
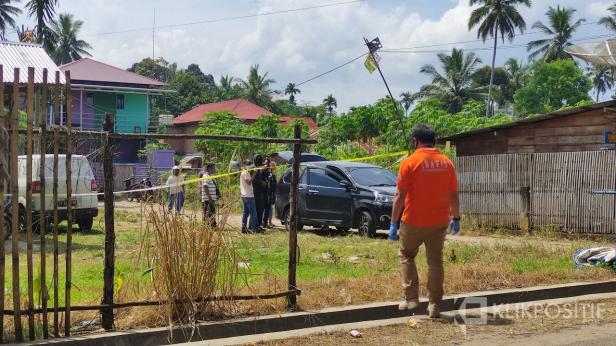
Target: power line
column 332, row 70
column 225, row 19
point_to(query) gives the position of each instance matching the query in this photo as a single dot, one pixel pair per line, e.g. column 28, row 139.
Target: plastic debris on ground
column 596, row 256
column 355, row 333
column 412, row 323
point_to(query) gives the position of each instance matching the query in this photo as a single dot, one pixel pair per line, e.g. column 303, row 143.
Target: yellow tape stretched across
column 228, row 174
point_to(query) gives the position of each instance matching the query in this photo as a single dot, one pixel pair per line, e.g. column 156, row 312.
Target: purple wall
column 83, row 114
column 161, row 158
column 126, row 151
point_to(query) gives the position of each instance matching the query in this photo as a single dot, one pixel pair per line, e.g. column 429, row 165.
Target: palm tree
column 454, row 85
column 609, row 21
column 43, row 11
column 7, row 12
column 496, row 17
column 291, row 90
column 602, row 79
column 257, row 87
column 64, row 33
column 407, row 100
column 560, row 29
column 330, row 103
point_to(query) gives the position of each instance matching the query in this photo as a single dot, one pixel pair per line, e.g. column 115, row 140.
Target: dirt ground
column 542, row 326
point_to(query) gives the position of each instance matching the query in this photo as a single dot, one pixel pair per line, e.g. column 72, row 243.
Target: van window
column 80, row 167
column 322, row 177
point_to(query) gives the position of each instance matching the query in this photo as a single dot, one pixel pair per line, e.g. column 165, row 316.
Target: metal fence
column 522, row 191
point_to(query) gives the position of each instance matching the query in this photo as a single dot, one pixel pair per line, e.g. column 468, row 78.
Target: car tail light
column 93, row 186
column 36, row 187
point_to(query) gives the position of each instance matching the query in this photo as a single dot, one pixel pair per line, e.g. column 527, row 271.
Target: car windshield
column 372, row 176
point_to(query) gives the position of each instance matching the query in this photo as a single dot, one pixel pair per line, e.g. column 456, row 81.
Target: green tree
column 268, row 125
column 330, row 103
column 560, row 28
column 225, row 123
column 43, row 11
column 552, row 86
column 228, row 89
column 257, row 87
column 64, row 32
column 159, row 69
column 610, row 21
column 454, row 85
column 496, row 17
column 500, row 82
column 7, row 12
column 189, row 92
column 291, row 90
column 206, row 79
column 602, row 79
column 406, row 98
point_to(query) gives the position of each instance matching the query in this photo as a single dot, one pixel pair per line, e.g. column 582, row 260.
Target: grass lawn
column 332, row 270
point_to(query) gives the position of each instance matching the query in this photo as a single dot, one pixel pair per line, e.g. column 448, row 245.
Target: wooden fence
column 522, row 191
column 32, row 130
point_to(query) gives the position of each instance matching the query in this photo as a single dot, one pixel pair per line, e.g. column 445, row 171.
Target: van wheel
column 366, row 225
column 85, row 223
column 7, row 226
column 287, row 223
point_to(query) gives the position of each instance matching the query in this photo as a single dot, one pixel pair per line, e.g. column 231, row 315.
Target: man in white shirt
column 248, row 199
column 176, row 190
column 209, row 195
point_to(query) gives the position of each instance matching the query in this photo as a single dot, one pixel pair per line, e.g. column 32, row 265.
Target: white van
column 84, row 200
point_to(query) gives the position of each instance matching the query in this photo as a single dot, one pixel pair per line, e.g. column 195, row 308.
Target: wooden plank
column 571, row 131
column 15, row 207
column 109, row 260
column 29, row 236
column 2, row 186
column 294, row 219
column 565, row 140
column 56, row 218
column 44, row 294
column 68, row 105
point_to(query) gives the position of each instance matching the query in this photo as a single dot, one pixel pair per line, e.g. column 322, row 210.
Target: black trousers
column 261, row 203
column 209, row 213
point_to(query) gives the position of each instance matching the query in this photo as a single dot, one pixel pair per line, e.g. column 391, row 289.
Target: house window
column 119, row 101
column 90, row 99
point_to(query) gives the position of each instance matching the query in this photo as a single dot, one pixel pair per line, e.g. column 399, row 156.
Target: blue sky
column 295, row 46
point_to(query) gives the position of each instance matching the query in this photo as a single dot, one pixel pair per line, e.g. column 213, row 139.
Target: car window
column 373, row 176
column 322, row 177
column 288, row 176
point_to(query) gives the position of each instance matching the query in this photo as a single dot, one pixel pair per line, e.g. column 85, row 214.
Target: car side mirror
column 345, row 184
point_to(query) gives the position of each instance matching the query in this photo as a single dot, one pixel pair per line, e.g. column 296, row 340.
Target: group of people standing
column 258, row 190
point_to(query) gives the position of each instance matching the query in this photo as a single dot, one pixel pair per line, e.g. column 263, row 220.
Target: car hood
column 385, row 190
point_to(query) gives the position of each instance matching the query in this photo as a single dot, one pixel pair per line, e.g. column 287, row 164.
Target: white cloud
column 598, row 8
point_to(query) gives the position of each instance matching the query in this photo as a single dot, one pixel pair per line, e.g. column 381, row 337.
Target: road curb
column 329, row 316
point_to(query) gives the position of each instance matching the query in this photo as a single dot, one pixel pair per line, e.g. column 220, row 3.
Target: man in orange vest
column 427, row 199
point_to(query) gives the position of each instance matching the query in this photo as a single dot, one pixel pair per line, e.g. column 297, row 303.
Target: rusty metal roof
column 23, row 55
column 532, row 119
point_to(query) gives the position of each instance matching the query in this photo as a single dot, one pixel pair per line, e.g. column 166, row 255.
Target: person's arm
column 248, row 178
column 455, row 205
column 398, row 207
column 207, row 192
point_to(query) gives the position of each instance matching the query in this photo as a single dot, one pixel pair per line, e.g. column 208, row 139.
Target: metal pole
column 393, row 100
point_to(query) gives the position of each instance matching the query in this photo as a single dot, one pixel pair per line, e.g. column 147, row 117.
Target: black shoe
column 244, row 229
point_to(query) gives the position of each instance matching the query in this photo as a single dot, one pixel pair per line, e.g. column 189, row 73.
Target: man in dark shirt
column 259, row 185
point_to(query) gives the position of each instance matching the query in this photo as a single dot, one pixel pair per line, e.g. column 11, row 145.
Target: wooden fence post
column 3, row 173
column 43, row 224
column 56, row 217
column 294, row 218
column 15, row 207
column 526, row 222
column 69, row 205
column 109, row 261
column 29, row 236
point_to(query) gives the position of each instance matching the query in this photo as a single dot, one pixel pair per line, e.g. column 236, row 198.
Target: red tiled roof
column 244, row 109
column 91, row 70
column 309, row 121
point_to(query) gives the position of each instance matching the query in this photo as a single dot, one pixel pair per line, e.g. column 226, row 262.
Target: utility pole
column 373, row 47
column 153, row 28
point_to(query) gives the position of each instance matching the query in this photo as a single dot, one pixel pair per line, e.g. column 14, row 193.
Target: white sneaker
column 408, row 304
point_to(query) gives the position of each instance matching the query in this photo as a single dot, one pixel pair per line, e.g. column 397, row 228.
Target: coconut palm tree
column 610, row 21
column 64, row 32
column 602, row 79
column 560, row 28
column 330, row 103
column 406, row 98
column 496, row 17
column 454, row 85
column 291, row 90
column 7, row 12
column 43, row 11
column 257, row 87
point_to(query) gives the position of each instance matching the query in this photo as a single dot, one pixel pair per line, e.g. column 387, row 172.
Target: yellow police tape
column 228, row 174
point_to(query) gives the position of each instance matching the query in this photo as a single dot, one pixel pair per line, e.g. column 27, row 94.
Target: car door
column 326, row 200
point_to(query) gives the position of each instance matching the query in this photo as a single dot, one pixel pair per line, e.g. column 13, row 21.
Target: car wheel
column 85, row 223
column 7, row 226
column 287, row 223
column 366, row 225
